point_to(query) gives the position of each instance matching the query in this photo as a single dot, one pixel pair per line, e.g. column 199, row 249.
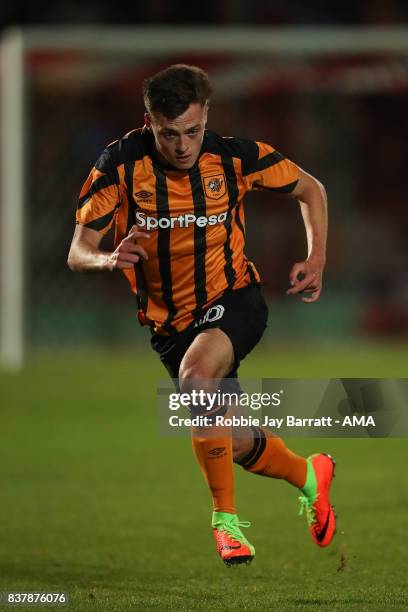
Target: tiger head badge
column 214, row 186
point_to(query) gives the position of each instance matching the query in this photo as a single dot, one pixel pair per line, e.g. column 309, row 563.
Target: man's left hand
column 306, row 277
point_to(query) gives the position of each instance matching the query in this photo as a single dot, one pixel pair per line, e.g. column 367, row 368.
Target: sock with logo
column 214, row 455
column 270, row 457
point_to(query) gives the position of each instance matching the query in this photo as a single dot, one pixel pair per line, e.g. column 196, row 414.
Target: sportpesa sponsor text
column 143, row 220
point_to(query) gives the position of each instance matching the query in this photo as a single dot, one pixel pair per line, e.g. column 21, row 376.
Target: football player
column 174, row 192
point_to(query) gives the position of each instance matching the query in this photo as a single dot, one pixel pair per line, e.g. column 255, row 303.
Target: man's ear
column 147, row 120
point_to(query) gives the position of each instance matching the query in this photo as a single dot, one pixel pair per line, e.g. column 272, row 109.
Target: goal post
column 240, row 59
column 12, row 199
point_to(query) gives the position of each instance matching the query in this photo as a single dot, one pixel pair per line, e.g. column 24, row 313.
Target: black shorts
column 241, row 313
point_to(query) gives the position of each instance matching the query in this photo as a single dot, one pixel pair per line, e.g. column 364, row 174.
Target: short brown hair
column 172, row 90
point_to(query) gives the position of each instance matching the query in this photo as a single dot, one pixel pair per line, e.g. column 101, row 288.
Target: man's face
column 179, row 140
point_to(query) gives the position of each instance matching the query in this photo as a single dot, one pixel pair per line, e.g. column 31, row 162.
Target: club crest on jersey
column 214, row 186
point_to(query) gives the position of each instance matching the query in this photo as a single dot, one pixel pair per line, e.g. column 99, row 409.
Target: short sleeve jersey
column 195, row 219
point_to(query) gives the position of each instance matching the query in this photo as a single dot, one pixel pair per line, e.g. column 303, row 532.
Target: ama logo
column 358, row 421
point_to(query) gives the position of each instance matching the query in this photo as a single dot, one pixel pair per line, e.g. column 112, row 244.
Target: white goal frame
column 142, row 41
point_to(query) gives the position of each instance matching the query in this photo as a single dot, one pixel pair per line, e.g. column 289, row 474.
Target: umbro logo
column 215, row 452
column 144, row 196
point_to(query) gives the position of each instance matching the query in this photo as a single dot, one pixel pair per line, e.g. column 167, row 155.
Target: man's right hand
column 86, row 256
column 128, row 252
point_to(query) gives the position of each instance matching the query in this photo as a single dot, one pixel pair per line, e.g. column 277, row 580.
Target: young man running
column 174, row 193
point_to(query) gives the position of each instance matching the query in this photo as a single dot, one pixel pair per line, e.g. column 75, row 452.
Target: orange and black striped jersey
column 195, row 218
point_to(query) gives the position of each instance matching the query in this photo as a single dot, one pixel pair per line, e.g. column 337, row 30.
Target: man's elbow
column 322, row 189
column 317, row 191
column 308, row 188
column 72, row 262
column 315, row 184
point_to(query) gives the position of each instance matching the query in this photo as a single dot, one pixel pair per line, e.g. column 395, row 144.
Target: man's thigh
column 210, row 356
column 211, row 347
column 240, row 314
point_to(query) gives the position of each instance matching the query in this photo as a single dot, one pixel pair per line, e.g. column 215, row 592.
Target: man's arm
column 85, row 255
column 313, row 205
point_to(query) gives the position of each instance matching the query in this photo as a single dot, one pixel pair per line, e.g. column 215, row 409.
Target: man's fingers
column 124, row 265
column 305, row 277
column 314, row 297
column 128, row 257
column 132, row 247
column 129, row 244
column 126, row 260
column 136, row 233
column 297, row 269
column 302, row 285
column 128, row 254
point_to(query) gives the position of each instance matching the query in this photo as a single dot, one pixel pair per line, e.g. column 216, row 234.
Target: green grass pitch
column 93, row 503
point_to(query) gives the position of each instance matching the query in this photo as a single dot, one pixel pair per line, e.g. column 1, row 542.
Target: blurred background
column 341, row 115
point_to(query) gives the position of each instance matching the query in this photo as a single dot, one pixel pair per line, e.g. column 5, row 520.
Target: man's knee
column 196, row 377
column 197, row 381
column 209, row 358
